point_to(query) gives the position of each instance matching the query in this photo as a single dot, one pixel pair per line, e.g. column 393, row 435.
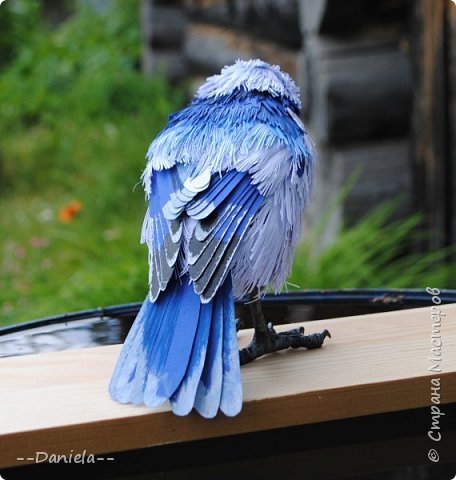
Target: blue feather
column 168, row 348
column 231, row 399
column 206, row 229
column 181, row 350
column 183, row 399
column 123, row 378
column 208, row 394
column 236, row 109
column 219, row 126
column 202, row 254
column 157, row 350
column 163, row 246
column 209, row 200
column 209, row 261
column 209, row 283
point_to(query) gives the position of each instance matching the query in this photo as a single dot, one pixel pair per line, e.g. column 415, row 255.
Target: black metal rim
column 352, row 296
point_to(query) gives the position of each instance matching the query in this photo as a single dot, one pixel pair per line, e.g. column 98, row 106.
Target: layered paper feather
column 227, row 182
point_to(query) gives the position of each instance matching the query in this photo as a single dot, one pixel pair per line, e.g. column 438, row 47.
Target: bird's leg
column 267, row 340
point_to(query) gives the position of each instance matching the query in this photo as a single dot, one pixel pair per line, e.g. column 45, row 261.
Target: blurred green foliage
column 374, row 253
column 84, row 68
column 20, row 23
column 76, row 118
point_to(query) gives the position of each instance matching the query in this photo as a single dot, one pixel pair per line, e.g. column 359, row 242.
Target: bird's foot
column 271, row 341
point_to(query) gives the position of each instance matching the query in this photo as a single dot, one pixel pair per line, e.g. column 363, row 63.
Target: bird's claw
column 271, row 341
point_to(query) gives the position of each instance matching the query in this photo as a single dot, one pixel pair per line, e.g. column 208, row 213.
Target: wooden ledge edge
column 136, row 432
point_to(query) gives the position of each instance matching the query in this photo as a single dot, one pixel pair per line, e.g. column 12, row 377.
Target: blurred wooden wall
column 378, row 88
column 434, row 118
column 452, row 120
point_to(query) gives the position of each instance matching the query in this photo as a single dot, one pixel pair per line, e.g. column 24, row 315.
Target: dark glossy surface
column 110, row 325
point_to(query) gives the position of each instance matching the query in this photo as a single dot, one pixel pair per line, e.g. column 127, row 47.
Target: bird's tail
column 181, row 350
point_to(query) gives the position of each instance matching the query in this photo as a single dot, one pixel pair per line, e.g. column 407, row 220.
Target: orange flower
column 69, row 211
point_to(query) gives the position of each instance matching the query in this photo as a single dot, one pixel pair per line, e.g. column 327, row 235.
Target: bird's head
column 251, row 75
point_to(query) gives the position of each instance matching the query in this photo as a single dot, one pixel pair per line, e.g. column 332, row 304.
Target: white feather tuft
column 251, row 75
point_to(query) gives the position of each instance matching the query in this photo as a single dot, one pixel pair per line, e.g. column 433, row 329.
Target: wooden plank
column 344, row 105
column 208, row 48
column 58, row 402
column 385, row 174
column 275, row 20
column 333, row 17
column 163, row 26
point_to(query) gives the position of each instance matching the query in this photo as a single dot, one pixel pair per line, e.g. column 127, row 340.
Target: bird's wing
column 223, row 213
column 227, row 156
column 168, row 189
column 222, row 205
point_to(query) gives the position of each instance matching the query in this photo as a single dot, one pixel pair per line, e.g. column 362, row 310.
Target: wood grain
column 58, row 402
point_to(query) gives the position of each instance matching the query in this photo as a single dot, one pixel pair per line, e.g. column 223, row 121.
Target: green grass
column 48, row 266
column 374, row 253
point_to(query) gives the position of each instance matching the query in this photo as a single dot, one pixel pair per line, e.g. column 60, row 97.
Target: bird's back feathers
column 227, row 181
column 224, row 134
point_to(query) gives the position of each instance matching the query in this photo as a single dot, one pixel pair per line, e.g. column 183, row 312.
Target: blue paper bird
column 227, row 182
